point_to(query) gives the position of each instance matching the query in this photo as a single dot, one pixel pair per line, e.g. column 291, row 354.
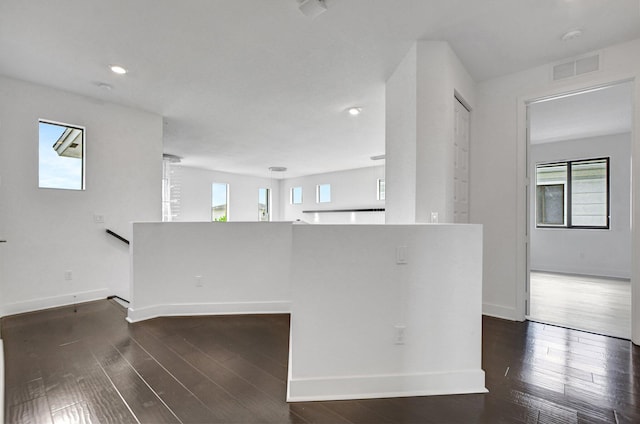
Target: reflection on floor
column 596, row 304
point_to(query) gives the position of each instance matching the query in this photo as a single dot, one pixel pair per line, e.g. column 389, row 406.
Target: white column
column 420, row 133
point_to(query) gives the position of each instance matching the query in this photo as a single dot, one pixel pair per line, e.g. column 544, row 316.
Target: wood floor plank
column 34, row 411
column 145, row 405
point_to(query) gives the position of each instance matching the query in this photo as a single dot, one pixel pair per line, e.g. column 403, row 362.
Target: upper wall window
column 380, row 195
column 323, row 193
column 60, row 156
column 219, row 201
column 573, row 194
column 296, row 195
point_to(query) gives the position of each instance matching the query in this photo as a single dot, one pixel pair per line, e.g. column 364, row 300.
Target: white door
column 461, row 164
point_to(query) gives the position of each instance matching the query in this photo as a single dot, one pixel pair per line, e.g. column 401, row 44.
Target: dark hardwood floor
column 91, row 366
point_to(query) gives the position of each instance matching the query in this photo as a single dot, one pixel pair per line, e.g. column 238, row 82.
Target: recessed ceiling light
column 354, row 111
column 117, row 69
column 570, row 35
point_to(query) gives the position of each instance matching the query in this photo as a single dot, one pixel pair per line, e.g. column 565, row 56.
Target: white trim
column 574, row 85
column 386, row 386
column 1, row 382
column 193, row 309
column 499, row 311
column 53, row 302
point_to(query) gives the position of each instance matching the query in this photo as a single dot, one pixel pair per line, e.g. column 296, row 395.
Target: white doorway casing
column 524, row 181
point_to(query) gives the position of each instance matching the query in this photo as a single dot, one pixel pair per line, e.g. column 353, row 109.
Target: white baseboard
column 498, row 311
column 53, row 302
column 191, row 309
column 386, row 386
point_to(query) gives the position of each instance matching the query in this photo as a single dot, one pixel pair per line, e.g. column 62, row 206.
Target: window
column 323, row 193
column 296, row 195
column 60, row 156
column 219, row 201
column 380, row 189
column 573, row 194
column 263, row 204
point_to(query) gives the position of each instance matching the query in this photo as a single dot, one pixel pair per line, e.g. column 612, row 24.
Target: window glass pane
column 551, row 194
column 60, row 156
column 324, row 193
column 550, row 199
column 219, row 196
column 263, row 204
column 296, row 195
column 589, row 193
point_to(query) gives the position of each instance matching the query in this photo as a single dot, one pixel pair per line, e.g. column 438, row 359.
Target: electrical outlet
column 400, row 333
column 198, row 280
column 434, row 217
column 98, row 218
column 68, row 275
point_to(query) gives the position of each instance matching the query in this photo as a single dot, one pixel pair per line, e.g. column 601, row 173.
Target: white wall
column 244, row 268
column 498, row 165
column 349, row 294
column 52, row 231
column 345, row 291
column 351, row 189
column 420, row 132
column 195, row 194
column 587, row 251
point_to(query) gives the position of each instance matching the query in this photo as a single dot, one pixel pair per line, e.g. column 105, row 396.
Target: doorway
column 579, row 163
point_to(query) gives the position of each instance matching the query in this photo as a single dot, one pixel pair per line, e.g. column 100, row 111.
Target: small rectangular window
column 323, row 193
column 263, row 204
column 61, row 154
column 381, row 189
column 573, row 194
column 219, row 202
column 296, row 195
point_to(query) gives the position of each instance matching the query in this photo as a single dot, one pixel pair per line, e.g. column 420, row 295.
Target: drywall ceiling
column 597, row 112
column 248, row 84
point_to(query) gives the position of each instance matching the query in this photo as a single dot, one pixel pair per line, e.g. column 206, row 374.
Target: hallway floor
column 596, row 304
column 91, row 366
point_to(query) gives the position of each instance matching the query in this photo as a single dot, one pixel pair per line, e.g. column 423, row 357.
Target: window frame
column 318, row 191
column 568, row 164
column 381, row 194
column 83, row 159
column 292, row 197
column 267, row 193
column 226, row 215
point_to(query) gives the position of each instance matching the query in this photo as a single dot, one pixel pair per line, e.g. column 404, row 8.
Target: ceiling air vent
column 576, row 67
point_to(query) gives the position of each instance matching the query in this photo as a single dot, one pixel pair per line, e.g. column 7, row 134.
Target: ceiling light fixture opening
column 104, row 86
column 312, row 8
column 571, row 35
column 117, row 69
column 354, row 111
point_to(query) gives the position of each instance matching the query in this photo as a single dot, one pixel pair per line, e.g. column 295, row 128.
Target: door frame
column 524, row 185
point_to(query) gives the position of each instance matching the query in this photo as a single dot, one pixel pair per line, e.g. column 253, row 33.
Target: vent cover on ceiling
column 576, row 67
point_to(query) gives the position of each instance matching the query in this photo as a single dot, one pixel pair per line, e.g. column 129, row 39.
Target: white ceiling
column 248, row 84
column 597, row 112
